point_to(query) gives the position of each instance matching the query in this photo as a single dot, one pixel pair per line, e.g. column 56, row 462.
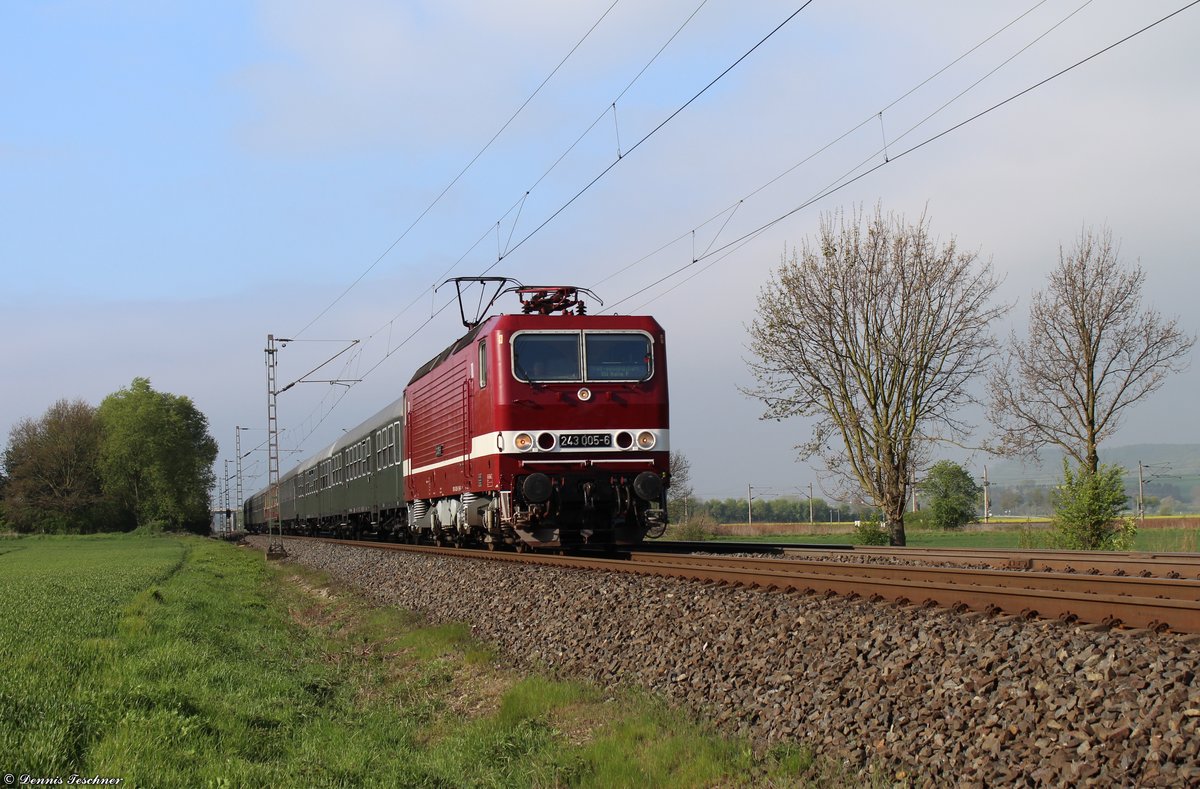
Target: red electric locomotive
column 546, row 429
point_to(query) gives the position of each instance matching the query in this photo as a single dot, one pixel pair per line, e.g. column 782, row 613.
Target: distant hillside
column 1162, row 461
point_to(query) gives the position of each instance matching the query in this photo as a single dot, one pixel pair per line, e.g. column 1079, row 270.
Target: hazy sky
column 179, row 179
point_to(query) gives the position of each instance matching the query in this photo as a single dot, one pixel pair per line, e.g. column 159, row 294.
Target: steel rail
column 1182, row 565
column 729, row 546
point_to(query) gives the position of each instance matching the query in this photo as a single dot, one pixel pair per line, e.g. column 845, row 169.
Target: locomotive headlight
column 646, row 440
column 523, row 442
column 585, row 394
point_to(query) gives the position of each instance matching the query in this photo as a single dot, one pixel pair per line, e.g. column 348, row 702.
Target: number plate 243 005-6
column 584, row 440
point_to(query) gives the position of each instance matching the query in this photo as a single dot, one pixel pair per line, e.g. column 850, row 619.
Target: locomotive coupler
column 655, row 522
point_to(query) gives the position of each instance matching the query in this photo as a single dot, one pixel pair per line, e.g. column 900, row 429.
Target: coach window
column 482, row 363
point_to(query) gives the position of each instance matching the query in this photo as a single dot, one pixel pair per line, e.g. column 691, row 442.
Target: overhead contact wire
column 939, row 135
column 463, row 172
column 822, row 149
column 655, row 130
column 520, row 203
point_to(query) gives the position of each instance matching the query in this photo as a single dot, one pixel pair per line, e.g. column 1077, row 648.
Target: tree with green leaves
column 874, row 332
column 1087, row 510
column 53, row 482
column 156, row 456
column 952, row 494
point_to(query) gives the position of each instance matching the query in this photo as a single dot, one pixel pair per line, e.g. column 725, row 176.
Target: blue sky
column 179, row 179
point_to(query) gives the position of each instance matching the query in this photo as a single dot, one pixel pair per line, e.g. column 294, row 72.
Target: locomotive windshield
column 605, row 356
column 546, row 357
column 617, row 357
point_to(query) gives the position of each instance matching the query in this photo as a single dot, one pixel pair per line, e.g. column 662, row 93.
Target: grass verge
column 187, row 662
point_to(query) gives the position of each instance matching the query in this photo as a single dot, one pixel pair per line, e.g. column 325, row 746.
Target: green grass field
column 187, row 662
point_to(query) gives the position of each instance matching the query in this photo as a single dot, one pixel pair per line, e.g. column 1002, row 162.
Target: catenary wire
column 520, row 201
column 839, row 186
column 823, row 148
column 456, row 178
column 652, row 132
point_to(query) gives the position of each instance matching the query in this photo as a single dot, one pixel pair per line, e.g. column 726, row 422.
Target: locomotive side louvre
column 440, row 425
column 439, row 430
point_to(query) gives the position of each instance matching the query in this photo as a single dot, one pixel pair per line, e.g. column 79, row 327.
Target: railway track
column 1144, row 564
column 1131, row 600
column 1140, row 563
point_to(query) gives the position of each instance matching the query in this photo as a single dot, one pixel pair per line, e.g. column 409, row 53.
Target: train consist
column 544, row 429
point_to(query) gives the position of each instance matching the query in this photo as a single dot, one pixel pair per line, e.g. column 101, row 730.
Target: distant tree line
column 1031, row 498
column 143, row 458
column 776, row 510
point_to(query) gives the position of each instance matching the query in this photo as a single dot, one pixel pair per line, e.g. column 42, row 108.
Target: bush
column 153, row 528
column 921, row 520
column 695, row 529
column 1087, row 511
column 952, row 493
column 1034, row 536
column 870, row 532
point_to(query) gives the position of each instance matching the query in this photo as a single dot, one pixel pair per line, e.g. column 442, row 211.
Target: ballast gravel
column 930, row 695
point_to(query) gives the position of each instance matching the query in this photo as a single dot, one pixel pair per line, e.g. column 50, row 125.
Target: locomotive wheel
column 522, row 547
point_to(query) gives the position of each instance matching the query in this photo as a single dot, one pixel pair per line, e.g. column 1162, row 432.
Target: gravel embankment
column 943, row 697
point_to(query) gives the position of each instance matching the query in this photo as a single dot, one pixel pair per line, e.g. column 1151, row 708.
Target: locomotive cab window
column 546, row 356
column 550, row 357
column 617, row 356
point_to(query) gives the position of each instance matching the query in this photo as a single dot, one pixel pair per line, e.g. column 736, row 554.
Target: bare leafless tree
column 1093, row 350
column 874, row 332
column 680, row 469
